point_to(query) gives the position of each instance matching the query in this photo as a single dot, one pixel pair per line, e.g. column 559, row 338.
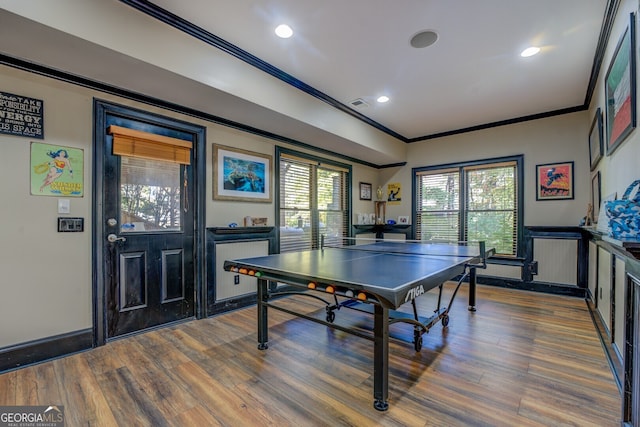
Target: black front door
column 147, row 233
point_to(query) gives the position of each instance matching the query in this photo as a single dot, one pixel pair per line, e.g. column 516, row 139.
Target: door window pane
column 313, row 203
column 295, row 206
column 150, row 194
column 438, row 216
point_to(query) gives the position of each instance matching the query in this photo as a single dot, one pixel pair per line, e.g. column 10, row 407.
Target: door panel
column 149, row 269
column 132, row 281
column 172, row 275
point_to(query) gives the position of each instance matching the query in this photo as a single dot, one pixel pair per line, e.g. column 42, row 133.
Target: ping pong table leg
column 380, row 358
column 263, row 322
column 472, row 289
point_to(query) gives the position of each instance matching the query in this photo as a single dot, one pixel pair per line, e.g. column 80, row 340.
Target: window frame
column 320, row 161
column 460, row 166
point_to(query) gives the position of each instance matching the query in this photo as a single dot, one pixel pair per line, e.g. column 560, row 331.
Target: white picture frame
column 241, row 175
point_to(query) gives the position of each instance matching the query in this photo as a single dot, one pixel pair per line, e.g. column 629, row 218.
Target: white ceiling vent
column 359, row 103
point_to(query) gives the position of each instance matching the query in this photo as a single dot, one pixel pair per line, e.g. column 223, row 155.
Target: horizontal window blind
column 438, row 215
column 295, row 205
column 332, row 204
column 313, row 203
column 469, row 203
column 145, row 145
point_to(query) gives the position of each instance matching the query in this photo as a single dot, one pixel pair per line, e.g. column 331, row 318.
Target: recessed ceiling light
column 284, row 31
column 424, row 39
column 382, row 99
column 530, row 51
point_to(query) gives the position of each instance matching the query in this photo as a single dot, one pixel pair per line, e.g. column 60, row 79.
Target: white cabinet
column 614, row 268
column 620, row 284
column 631, row 379
column 611, row 282
column 605, row 278
column 592, row 281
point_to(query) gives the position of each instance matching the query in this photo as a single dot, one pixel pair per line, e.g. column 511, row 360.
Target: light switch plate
column 64, row 206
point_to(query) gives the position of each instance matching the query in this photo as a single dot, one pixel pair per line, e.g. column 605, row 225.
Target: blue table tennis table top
column 395, row 272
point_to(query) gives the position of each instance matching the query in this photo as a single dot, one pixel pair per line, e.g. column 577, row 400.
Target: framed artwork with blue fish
column 241, row 175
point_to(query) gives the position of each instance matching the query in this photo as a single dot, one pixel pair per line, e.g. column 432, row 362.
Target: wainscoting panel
column 365, row 238
column 557, row 260
column 502, row 271
column 233, row 285
column 394, row 236
column 225, row 290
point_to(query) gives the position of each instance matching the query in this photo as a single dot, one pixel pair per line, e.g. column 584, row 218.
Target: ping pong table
column 374, row 277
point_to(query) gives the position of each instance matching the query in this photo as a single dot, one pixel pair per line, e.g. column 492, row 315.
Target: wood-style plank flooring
column 523, row 359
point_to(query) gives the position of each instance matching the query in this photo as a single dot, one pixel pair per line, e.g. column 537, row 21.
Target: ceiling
column 471, row 77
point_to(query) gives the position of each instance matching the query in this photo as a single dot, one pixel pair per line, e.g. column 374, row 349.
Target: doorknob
column 113, row 238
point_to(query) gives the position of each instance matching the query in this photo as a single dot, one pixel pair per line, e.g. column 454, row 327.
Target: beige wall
column 46, row 275
column 221, row 213
column 561, row 138
column 45, row 287
column 623, row 166
column 182, row 55
column 555, row 139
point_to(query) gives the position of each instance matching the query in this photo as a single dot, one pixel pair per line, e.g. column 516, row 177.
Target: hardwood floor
column 523, row 359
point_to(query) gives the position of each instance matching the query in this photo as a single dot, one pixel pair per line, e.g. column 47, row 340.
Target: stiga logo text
column 31, row 416
column 414, row 293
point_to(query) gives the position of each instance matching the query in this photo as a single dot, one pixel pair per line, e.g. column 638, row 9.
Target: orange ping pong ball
column 329, row 289
column 311, row 285
column 362, row 296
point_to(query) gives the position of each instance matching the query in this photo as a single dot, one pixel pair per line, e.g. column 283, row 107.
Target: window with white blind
column 313, row 202
column 479, row 201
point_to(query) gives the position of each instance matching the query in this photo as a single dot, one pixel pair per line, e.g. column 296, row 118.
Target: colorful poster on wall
column 554, row 181
column 21, row 116
column 56, row 170
column 394, row 195
column 620, row 90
